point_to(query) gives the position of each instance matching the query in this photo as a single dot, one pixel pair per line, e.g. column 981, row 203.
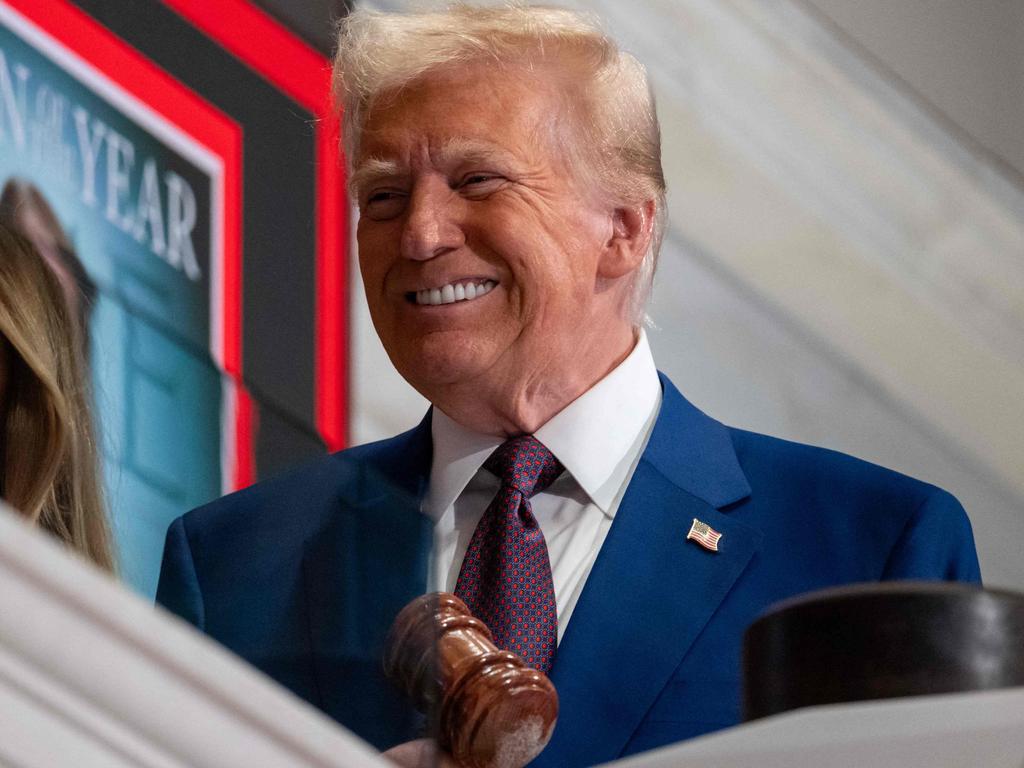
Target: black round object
column 878, row 641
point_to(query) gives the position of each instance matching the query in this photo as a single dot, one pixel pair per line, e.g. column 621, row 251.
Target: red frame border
column 179, row 105
column 302, row 73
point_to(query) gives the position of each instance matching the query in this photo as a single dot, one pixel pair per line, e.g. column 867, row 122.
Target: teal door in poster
column 159, row 402
column 138, row 174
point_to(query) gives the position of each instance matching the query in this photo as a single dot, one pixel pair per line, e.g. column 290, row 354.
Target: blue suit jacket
column 302, row 575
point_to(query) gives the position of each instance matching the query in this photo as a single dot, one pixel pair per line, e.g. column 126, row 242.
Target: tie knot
column 524, row 464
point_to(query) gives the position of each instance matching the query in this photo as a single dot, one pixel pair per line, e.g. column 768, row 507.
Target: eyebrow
column 470, row 150
column 370, row 170
column 454, row 150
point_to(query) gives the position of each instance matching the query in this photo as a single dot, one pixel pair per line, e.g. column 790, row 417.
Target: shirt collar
column 597, row 437
column 600, row 434
column 458, row 455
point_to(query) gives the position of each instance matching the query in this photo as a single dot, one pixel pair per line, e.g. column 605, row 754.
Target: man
column 506, row 164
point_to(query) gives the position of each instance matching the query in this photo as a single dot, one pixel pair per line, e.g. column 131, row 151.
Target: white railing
column 91, row 676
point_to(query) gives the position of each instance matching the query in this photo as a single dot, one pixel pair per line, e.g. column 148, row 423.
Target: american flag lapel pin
column 704, row 535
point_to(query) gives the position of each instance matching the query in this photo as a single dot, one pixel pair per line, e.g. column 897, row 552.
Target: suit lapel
column 650, row 592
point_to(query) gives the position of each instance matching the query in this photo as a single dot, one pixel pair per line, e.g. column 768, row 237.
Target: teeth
column 449, row 294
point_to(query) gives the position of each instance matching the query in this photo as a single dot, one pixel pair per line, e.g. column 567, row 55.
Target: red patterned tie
column 506, row 574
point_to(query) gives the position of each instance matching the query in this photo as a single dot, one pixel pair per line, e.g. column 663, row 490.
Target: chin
column 439, row 360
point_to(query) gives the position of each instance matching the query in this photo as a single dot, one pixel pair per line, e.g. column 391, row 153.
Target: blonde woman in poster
column 48, row 453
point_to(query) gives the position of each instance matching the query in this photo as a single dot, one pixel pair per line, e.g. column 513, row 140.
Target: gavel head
column 490, row 708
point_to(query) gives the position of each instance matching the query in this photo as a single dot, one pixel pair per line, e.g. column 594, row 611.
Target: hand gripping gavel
column 492, row 710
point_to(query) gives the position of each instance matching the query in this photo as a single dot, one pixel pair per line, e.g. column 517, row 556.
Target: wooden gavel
column 491, row 709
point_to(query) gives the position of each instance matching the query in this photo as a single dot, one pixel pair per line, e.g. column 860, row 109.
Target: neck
column 522, row 404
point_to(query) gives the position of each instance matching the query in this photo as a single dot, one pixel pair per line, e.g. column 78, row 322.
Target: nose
column 432, row 224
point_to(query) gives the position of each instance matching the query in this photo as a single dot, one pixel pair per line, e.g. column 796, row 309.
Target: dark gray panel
column 283, row 443
column 312, row 20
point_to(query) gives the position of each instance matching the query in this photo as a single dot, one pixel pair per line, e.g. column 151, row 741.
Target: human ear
column 632, row 230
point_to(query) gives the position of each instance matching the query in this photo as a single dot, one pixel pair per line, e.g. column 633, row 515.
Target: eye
column 383, row 204
column 480, row 184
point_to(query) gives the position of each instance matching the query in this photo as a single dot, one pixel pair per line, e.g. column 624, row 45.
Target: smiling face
column 492, row 277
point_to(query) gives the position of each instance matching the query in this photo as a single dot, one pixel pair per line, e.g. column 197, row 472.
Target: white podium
column 963, row 730
column 91, row 676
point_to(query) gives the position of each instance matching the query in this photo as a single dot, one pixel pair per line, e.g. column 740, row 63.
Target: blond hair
column 25, row 210
column 48, row 454
column 610, row 107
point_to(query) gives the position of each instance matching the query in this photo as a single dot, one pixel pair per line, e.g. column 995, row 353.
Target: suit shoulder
column 771, row 459
column 299, row 497
column 899, row 526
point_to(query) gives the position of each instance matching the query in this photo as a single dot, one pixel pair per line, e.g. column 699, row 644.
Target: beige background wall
column 965, row 57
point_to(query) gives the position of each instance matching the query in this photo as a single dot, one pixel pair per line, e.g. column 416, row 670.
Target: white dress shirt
column 599, row 438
